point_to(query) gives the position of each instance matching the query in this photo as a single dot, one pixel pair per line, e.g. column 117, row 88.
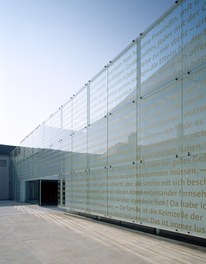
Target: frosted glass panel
column 80, row 191
column 122, row 135
column 98, row 97
column 79, row 150
column 194, row 152
column 194, row 112
column 97, row 144
column 194, row 34
column 122, row 192
column 160, row 128
column 98, row 192
column 161, row 58
column 79, row 110
column 159, row 193
column 122, row 79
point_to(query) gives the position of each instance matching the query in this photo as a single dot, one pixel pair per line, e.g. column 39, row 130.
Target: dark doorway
column 49, row 192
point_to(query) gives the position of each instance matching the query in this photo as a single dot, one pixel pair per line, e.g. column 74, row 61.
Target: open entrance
column 48, row 192
column 42, row 192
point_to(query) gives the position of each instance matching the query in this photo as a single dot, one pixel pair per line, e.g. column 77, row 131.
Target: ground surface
column 30, row 234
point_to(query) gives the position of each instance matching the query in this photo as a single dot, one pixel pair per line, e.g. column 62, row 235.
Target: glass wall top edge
column 60, row 107
column 169, row 10
column 136, row 39
column 74, row 95
column 114, row 59
column 30, row 133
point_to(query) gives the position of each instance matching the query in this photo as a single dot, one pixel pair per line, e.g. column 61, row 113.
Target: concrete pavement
column 30, row 234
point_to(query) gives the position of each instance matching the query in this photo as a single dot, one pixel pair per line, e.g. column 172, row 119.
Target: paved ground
column 30, row 234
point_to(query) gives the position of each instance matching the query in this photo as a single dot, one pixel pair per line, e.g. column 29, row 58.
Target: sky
column 50, row 48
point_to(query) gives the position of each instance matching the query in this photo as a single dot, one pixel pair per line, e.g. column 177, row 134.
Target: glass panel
column 193, row 193
column 79, row 150
column 161, row 58
column 98, row 97
column 194, row 112
column 122, row 135
column 122, row 193
column 47, row 137
column 51, row 162
column 160, row 124
column 66, row 138
column 54, row 125
column 80, row 191
column 67, row 116
column 194, row 153
column 97, row 144
column 98, row 192
column 159, row 193
column 160, row 166
column 79, row 111
column 37, row 166
column 68, row 194
column 194, row 33
column 122, row 79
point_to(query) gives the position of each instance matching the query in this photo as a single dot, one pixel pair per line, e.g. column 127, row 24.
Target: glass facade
column 131, row 144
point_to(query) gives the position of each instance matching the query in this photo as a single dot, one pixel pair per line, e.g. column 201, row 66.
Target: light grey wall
column 4, row 177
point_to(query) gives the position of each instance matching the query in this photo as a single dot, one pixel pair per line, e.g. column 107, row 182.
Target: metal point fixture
column 188, row 154
column 141, row 34
column 188, row 72
column 133, row 40
column 176, row 2
column 140, row 97
column 176, row 78
column 176, row 156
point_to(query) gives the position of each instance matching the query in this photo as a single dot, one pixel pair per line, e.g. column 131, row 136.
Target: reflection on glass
column 122, row 78
column 161, row 58
column 131, row 145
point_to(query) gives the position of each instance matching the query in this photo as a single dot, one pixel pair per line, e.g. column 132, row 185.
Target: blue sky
column 50, row 48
